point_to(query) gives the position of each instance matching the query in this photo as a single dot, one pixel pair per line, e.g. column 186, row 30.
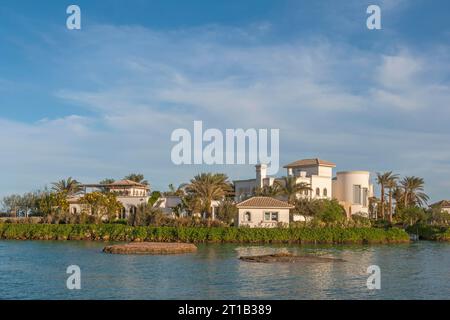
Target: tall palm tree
column 289, row 188
column 70, row 186
column 384, row 179
column 207, row 187
column 137, row 177
column 391, row 185
column 413, row 191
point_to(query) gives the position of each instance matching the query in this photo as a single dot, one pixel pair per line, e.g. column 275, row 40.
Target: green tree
column 385, row 180
column 100, row 205
column 54, row 206
column 412, row 191
column 267, row 191
column 411, row 215
column 145, row 216
column 69, row 186
column 391, row 185
column 207, row 187
column 176, row 191
column 154, row 196
column 227, row 211
column 289, row 188
column 137, row 177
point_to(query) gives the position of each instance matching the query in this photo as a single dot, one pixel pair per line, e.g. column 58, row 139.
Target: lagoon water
column 37, row 270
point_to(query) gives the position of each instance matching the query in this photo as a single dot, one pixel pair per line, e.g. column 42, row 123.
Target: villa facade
column 351, row 188
column 129, row 193
column 263, row 212
column 444, row 205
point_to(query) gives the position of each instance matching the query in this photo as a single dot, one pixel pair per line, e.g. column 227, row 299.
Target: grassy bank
column 110, row 232
column 433, row 233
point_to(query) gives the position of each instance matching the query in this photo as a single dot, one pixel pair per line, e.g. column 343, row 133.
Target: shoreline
column 124, row 233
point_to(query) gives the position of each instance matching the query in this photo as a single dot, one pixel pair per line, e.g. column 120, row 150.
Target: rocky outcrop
column 289, row 258
column 151, row 248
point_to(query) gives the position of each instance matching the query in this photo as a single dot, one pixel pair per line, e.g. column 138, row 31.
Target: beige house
column 263, row 212
column 444, row 205
column 351, row 188
column 129, row 193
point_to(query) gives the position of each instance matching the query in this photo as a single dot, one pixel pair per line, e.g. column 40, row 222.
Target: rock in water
column 151, row 248
column 288, row 258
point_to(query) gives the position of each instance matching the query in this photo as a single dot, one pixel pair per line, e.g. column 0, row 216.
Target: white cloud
column 362, row 109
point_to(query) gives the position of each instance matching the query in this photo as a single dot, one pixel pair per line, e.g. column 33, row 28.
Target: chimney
column 261, row 174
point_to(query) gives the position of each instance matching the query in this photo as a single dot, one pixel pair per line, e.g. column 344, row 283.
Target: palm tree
column 289, row 188
column 412, row 191
column 207, row 187
column 391, row 185
column 137, row 177
column 384, row 179
column 176, row 191
column 267, row 191
column 70, row 186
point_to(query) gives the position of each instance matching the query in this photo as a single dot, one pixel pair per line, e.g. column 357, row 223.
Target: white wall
column 343, row 191
column 257, row 217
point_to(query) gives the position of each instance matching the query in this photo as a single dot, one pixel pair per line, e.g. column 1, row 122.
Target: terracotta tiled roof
column 443, row 203
column 264, row 202
column 309, row 163
column 126, row 183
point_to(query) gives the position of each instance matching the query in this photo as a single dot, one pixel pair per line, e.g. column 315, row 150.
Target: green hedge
column 118, row 232
column 434, row 233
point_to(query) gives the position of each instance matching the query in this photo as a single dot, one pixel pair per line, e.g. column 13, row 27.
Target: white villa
column 263, row 212
column 168, row 204
column 444, row 205
column 129, row 193
column 351, row 188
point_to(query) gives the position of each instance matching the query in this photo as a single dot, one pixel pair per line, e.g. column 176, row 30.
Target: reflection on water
column 36, row 270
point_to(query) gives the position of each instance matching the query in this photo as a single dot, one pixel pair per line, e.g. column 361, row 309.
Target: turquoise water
column 37, row 270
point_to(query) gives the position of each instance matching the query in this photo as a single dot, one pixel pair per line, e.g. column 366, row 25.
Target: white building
column 263, row 212
column 129, row 193
column 168, row 204
column 444, row 205
column 351, row 188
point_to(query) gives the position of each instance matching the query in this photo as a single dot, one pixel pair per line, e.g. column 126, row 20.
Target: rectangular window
column 356, row 194
column 365, row 197
column 275, row 216
column 271, row 216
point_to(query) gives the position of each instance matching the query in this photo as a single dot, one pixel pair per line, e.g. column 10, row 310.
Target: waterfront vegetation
column 119, row 232
column 192, row 219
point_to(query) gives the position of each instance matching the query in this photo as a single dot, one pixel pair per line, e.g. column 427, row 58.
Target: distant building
column 168, row 204
column 263, row 212
column 351, row 188
column 444, row 205
column 129, row 193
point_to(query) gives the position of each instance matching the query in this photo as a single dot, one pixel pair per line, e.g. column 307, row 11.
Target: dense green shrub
column 428, row 232
column 119, row 232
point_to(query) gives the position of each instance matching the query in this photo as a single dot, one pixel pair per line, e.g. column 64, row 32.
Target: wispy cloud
column 361, row 108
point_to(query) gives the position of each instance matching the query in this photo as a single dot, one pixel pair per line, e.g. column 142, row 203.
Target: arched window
column 325, row 192
column 247, row 217
column 74, row 210
column 318, row 192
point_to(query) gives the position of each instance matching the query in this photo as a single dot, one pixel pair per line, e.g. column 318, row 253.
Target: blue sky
column 102, row 101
